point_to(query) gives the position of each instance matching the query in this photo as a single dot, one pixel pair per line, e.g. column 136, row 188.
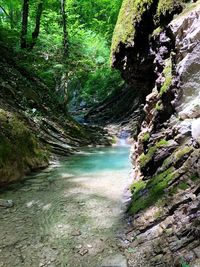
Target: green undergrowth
column 146, row 193
column 19, row 148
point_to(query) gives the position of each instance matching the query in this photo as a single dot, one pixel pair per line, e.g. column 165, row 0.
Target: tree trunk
column 11, row 18
column 25, row 10
column 64, row 24
column 36, row 31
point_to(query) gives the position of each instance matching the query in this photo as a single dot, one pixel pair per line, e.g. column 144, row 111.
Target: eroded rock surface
column 165, row 207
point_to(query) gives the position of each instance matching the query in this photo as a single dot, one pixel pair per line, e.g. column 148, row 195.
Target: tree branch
column 5, row 12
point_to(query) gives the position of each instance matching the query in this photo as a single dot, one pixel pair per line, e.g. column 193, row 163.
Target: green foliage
column 100, row 84
column 90, row 26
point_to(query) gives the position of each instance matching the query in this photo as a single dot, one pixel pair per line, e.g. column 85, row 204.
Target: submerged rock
column 6, row 203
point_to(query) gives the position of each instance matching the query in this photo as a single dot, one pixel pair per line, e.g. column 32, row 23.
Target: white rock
column 196, row 129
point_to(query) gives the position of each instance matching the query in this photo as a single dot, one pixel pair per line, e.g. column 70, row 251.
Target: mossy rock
column 168, row 77
column 144, row 159
column 145, row 137
column 149, row 192
column 20, row 150
column 167, row 6
column 131, row 14
column 183, row 151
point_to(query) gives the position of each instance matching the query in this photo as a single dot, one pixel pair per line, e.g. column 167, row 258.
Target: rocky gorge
column 75, row 208
column 158, row 55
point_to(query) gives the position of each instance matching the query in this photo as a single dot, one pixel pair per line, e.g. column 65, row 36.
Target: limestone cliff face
column 165, row 203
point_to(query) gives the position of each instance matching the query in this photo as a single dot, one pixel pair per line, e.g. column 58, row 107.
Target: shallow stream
column 67, row 215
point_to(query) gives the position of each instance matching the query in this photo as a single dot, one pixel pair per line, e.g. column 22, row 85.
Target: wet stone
column 6, row 203
column 76, row 233
column 83, row 251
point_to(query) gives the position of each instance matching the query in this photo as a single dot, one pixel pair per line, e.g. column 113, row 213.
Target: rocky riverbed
column 68, row 215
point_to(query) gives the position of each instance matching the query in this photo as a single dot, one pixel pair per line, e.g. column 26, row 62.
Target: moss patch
column 168, row 77
column 159, row 106
column 162, row 143
column 145, row 137
column 183, row 151
column 194, row 177
column 131, row 12
column 152, row 191
column 137, row 186
column 183, row 185
column 167, row 6
column 144, row 159
column 19, row 148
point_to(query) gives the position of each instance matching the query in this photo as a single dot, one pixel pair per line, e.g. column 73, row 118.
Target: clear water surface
column 67, row 215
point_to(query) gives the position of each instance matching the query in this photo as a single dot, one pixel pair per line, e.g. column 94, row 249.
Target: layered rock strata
column 165, row 207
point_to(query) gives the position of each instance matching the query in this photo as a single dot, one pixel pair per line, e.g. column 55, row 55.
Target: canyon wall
column 159, row 56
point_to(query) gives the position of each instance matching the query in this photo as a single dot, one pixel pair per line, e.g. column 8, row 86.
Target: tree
column 64, row 25
column 23, row 37
column 36, row 31
column 9, row 12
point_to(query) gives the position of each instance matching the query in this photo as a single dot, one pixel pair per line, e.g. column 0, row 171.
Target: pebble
column 83, row 251
column 76, row 233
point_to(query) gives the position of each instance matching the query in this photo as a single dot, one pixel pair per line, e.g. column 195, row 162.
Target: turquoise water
column 98, row 160
column 72, row 208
